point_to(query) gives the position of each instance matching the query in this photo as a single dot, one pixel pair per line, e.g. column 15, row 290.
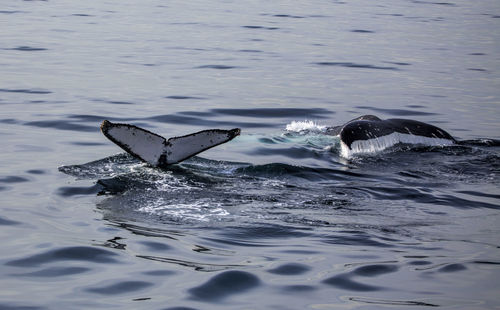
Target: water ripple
column 398, row 112
column 290, row 269
column 54, row 272
column 199, row 121
column 120, row 102
column 218, row 67
column 374, row 270
column 177, row 97
column 195, row 265
column 7, row 222
column 224, row 285
column 358, row 238
column 122, row 287
column 354, row 65
column 13, row 179
column 77, row 253
column 26, row 91
column 62, row 125
column 10, row 12
column 288, row 16
column 276, row 112
column 261, row 27
column 362, row 31
column 390, row 302
column 17, row 306
column 344, row 282
column 156, row 246
column 26, row 49
column 452, row 268
column 419, row 196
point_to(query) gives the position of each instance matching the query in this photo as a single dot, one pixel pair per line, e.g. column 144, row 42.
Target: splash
column 301, row 126
column 201, row 210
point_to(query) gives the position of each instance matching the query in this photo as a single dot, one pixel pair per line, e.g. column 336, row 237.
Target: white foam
column 375, row 145
column 198, row 210
column 298, row 126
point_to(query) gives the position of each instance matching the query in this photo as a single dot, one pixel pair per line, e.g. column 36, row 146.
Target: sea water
column 275, row 219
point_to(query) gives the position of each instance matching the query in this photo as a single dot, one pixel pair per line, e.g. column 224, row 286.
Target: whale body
column 369, row 134
column 160, row 152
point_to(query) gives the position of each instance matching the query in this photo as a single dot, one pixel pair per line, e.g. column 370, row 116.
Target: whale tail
column 158, row 151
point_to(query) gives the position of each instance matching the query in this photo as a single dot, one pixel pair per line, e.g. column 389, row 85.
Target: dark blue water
column 275, row 219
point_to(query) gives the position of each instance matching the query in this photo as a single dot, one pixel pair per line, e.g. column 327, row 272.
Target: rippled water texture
column 275, row 219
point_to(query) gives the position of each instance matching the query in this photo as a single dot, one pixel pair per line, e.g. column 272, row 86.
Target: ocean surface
column 275, row 219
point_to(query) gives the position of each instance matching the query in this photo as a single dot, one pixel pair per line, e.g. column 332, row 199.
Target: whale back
column 369, row 134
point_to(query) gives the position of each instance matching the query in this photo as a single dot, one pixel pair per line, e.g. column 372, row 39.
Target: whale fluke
column 158, row 151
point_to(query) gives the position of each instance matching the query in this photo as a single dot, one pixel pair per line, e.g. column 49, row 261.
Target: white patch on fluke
column 375, row 145
column 180, row 148
column 298, row 126
column 141, row 143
